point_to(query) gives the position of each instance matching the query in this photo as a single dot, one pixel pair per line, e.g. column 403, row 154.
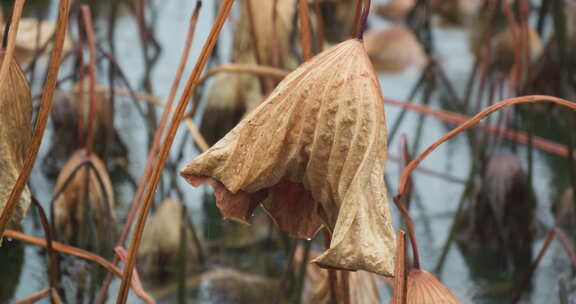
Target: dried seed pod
column 424, row 288
column 161, row 240
column 88, row 188
column 394, row 49
column 15, row 136
column 313, row 154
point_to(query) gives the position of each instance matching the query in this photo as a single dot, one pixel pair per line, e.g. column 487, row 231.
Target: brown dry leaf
column 394, row 49
column 501, row 215
column 506, row 47
column 424, row 288
column 231, row 95
column 161, row 239
column 228, row 98
column 313, row 154
column 80, row 97
column 455, row 12
column 263, row 13
column 65, row 121
column 69, row 207
column 32, row 36
column 15, row 136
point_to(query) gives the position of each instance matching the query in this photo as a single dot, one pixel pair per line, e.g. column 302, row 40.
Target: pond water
column 436, row 198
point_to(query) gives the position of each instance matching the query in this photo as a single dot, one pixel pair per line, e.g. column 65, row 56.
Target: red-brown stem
column 52, row 261
column 159, row 166
column 47, row 94
column 319, row 26
column 406, row 158
column 510, row 134
column 344, row 286
column 363, row 22
column 357, row 18
column 77, row 252
column 305, row 40
column 87, row 17
column 526, row 281
column 410, row 226
column 81, row 92
column 155, row 144
column 470, row 123
column 400, row 274
column 35, row 297
column 561, row 236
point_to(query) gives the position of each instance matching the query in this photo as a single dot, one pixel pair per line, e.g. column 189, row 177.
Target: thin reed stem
column 155, row 144
column 87, row 18
column 35, row 297
column 52, row 260
column 400, row 273
column 472, row 122
column 305, row 41
column 77, row 252
column 191, row 85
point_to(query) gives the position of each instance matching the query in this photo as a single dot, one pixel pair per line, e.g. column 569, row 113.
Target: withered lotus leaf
column 85, row 191
column 313, row 154
column 15, row 136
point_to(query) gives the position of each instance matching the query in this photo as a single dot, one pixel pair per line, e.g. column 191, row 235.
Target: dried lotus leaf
column 69, row 207
column 314, row 150
column 15, row 136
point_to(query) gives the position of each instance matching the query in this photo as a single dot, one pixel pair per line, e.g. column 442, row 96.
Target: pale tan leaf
column 15, row 136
